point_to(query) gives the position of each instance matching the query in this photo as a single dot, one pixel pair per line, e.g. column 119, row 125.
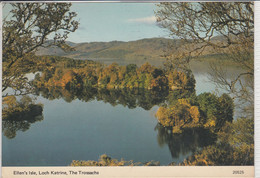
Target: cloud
column 145, row 20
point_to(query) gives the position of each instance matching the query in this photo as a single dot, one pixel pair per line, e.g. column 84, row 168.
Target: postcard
column 128, row 89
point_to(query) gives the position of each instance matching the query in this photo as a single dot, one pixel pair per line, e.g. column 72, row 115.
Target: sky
column 115, row 22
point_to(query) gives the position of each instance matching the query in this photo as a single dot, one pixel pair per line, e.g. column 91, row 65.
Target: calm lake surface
column 73, row 129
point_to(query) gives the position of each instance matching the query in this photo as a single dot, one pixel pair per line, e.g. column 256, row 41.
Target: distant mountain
column 153, row 48
column 138, row 52
column 53, row 50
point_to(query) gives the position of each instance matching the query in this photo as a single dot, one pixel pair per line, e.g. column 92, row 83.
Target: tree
column 105, row 160
column 27, row 27
column 213, row 28
column 235, row 146
column 206, row 110
column 201, row 23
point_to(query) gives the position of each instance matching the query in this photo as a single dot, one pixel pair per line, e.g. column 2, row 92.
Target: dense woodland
column 74, row 74
column 18, row 115
column 205, row 110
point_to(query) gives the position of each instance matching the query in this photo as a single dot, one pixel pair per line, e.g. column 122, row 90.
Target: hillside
column 138, row 52
column 153, row 48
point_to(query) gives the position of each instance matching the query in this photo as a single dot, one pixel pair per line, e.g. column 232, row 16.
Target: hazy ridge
column 150, row 50
column 153, row 48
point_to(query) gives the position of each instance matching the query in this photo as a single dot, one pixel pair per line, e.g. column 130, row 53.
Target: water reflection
column 187, row 142
column 131, row 98
column 179, row 145
column 22, row 122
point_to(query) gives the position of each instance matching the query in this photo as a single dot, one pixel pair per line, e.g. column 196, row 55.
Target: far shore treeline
column 77, row 74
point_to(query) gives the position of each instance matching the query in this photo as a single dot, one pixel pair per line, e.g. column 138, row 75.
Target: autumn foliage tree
column 25, row 28
column 105, row 160
column 114, row 76
column 206, row 110
column 235, row 146
column 204, row 28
